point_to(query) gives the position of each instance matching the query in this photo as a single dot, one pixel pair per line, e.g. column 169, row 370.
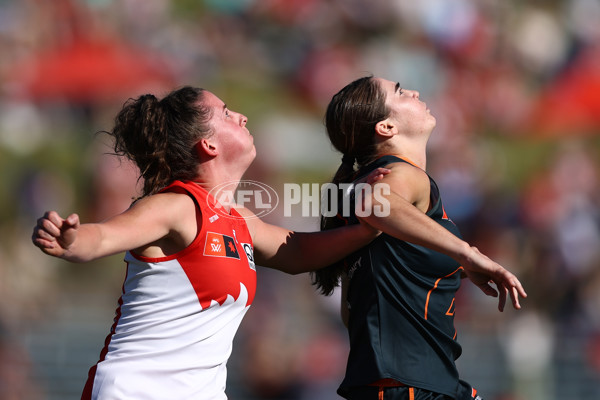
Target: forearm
column 309, row 251
column 87, row 246
column 408, row 223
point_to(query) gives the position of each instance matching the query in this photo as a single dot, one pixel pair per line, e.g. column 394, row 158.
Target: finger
column 520, row 290
column 516, row 288
column 377, row 175
column 502, row 298
column 40, row 223
column 42, row 234
column 43, row 243
column 514, row 294
column 53, row 217
column 488, row 290
column 49, row 227
column 383, row 171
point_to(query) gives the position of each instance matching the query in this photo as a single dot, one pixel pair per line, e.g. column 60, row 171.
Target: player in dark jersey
column 398, row 297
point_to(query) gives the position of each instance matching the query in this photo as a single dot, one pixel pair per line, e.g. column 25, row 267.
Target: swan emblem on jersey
column 231, row 273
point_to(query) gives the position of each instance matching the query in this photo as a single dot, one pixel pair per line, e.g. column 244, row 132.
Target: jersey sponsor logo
column 249, row 255
column 219, row 245
column 356, row 265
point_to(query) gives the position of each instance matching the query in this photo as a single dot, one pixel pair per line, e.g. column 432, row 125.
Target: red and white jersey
column 178, row 315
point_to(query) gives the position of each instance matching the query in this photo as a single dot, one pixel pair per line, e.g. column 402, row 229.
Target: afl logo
column 257, row 197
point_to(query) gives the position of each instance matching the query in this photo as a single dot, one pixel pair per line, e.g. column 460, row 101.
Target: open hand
column 482, row 271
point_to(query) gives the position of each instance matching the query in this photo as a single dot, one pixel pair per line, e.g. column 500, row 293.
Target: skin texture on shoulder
column 409, row 182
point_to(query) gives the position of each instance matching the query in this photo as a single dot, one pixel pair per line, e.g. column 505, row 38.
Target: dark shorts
column 403, row 393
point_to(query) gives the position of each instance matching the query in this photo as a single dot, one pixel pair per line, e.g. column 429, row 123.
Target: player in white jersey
column 190, row 260
column 178, row 314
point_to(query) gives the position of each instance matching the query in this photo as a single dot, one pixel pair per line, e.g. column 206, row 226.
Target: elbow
column 295, row 270
column 287, row 268
column 77, row 259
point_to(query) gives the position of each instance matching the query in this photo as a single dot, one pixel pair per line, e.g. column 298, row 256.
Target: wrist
column 465, row 254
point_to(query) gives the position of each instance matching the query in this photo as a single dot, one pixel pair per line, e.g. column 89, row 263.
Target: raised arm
column 406, row 221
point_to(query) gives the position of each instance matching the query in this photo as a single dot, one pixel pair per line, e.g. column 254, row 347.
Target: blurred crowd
column 515, row 88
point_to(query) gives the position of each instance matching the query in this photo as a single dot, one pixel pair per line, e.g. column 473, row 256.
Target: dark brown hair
column 159, row 135
column 350, row 120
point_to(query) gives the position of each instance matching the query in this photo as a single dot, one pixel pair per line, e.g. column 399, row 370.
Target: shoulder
column 408, row 181
column 264, row 235
column 177, row 196
column 252, row 221
column 403, row 172
column 165, row 206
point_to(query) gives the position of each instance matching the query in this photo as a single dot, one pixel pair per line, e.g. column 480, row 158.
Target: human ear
column 386, row 128
column 205, row 148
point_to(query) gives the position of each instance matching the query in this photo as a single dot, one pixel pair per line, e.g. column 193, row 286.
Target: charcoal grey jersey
column 402, row 298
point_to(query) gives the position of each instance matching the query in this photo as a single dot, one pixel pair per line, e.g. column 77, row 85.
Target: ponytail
column 350, row 119
column 159, row 136
column 327, row 279
column 344, row 174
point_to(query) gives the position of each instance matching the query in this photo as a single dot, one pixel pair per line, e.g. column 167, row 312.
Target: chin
column 433, row 121
column 251, row 155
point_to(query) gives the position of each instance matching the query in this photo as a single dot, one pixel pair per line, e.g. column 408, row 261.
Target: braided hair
column 350, row 119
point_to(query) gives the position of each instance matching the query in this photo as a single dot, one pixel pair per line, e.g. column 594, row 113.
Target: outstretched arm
column 407, row 222
column 145, row 223
column 298, row 252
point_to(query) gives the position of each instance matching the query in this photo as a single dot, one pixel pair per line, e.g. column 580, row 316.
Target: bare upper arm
column 410, row 183
column 154, row 226
column 405, row 207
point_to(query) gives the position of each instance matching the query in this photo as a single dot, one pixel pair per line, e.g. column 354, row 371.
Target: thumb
column 71, row 222
column 68, row 230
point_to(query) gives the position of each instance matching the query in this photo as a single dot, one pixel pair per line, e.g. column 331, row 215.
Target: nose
column 243, row 120
column 415, row 94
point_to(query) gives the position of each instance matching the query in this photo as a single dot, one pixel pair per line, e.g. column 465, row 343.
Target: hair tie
column 348, row 159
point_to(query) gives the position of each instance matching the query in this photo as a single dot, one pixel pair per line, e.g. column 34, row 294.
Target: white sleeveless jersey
column 177, row 315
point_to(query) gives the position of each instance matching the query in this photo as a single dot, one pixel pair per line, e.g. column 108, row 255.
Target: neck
column 412, row 151
column 416, row 160
column 211, row 175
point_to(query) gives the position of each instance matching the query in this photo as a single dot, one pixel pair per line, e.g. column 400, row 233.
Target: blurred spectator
column 516, row 90
column 16, row 369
